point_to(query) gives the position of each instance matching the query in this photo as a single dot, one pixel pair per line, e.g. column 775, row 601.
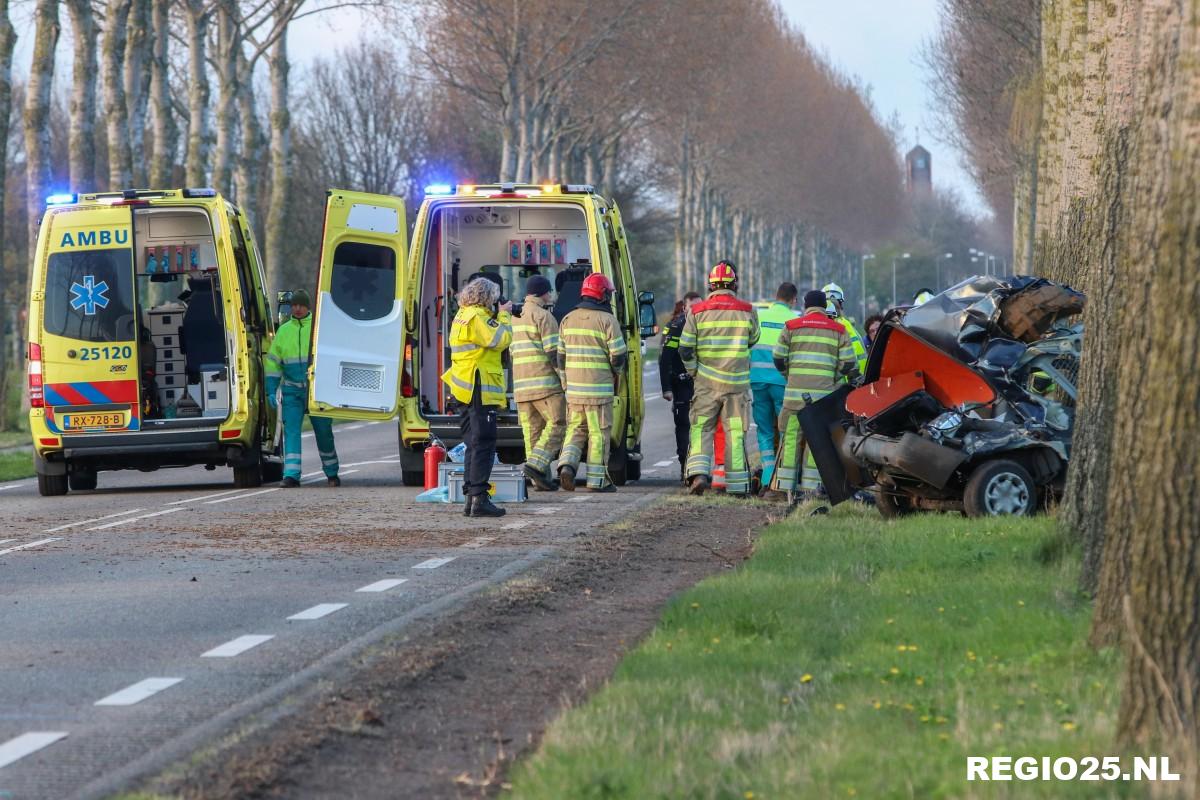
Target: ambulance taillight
column 406, row 382
column 36, row 397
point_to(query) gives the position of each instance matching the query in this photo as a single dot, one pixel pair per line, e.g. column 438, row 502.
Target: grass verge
column 16, row 465
column 851, row 657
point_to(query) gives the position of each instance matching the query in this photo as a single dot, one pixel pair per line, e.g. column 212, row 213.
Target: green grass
column 851, row 657
column 15, row 465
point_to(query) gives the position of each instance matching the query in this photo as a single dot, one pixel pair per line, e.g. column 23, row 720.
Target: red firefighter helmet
column 597, row 287
column 723, row 275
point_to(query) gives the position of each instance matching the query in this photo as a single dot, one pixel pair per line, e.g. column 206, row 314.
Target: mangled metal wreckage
column 968, row 403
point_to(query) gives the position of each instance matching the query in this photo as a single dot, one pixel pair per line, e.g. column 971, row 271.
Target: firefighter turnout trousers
column 588, row 426
column 794, row 458
column 543, row 423
column 741, row 454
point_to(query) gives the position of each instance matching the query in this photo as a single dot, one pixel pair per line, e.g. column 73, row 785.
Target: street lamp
column 938, row 262
column 863, row 283
column 895, row 297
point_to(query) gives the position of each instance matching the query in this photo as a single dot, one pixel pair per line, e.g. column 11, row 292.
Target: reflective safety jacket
column 672, row 375
column 287, row 360
column 477, row 341
column 716, row 341
column 770, row 324
column 814, row 353
column 857, row 343
column 535, row 353
column 590, row 353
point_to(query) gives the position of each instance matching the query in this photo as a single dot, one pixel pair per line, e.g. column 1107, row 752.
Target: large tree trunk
column 281, row 160
column 8, row 41
column 246, row 170
column 228, row 44
column 139, row 52
column 162, row 160
column 120, row 167
column 196, row 14
column 37, row 114
column 81, row 145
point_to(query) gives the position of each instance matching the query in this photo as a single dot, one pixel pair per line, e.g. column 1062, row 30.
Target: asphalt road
column 142, row 620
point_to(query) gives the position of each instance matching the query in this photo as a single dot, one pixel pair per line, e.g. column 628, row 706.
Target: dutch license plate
column 105, row 419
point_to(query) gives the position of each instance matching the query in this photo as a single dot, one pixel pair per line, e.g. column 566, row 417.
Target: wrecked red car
column 968, row 403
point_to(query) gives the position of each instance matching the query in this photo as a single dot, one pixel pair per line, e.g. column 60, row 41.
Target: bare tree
column 116, row 112
column 82, row 135
column 8, row 42
column 37, row 113
column 165, row 132
column 197, row 15
column 138, row 74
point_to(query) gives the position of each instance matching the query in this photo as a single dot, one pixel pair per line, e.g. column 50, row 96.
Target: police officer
column 836, row 308
column 675, row 380
column 481, row 332
column 537, row 383
column 287, row 382
column 591, row 355
column 715, row 348
column 766, row 384
column 814, row 353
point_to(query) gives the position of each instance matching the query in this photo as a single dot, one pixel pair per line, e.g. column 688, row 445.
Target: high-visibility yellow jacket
column 771, row 321
column 857, row 344
column 815, row 354
column 535, row 353
column 477, row 341
column 716, row 341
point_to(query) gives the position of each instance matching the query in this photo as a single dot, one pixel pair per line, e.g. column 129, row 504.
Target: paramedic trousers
column 741, row 454
column 768, row 403
column 295, row 406
column 478, row 427
column 543, row 422
column 589, row 426
column 795, row 459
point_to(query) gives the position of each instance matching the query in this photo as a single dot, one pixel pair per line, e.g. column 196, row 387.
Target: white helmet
column 834, row 298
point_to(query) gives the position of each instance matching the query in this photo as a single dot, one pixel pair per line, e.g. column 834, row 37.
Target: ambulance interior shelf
column 182, row 332
column 513, row 242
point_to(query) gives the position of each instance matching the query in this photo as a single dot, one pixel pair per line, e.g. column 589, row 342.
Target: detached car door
column 359, row 315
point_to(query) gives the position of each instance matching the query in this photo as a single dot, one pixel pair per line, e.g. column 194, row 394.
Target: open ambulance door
column 358, row 320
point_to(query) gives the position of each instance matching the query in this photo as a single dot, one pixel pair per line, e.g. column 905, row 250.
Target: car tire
column 249, row 475
column 1000, row 488
column 82, row 480
column 52, row 485
column 893, row 506
column 412, row 466
column 618, row 467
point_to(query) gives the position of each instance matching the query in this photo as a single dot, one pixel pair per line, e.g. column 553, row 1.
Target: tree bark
column 246, row 172
column 228, row 44
column 81, row 137
column 196, row 15
column 281, row 160
column 37, row 114
column 139, row 52
column 165, row 133
column 116, row 112
column 8, row 42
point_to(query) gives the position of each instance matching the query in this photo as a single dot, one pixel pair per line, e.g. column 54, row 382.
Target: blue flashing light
column 61, row 199
column 200, row 192
column 439, row 188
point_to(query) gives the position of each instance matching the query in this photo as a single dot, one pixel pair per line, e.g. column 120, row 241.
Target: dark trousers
column 478, row 426
column 680, row 413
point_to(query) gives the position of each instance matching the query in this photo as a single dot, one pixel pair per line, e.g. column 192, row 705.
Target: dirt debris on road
column 443, row 711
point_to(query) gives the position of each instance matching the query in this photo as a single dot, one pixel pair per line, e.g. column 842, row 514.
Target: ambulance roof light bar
column 439, row 189
column 62, row 199
column 196, row 191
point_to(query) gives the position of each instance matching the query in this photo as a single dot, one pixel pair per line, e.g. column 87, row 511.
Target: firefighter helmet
column 597, row 287
column 723, row 275
column 834, row 298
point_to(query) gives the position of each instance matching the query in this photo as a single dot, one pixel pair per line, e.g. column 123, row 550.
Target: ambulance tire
column 82, row 480
column 52, row 485
column 618, row 466
column 250, row 474
column 412, row 466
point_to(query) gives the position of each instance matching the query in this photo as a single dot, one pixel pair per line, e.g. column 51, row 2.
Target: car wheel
column 618, row 467
column 82, row 480
column 250, row 475
column 52, row 485
column 1000, row 488
column 892, row 506
column 412, row 466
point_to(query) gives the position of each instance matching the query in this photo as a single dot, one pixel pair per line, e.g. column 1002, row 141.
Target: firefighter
column 591, row 355
column 675, row 380
column 481, row 332
column 766, row 384
column 814, row 353
column 715, row 348
column 836, row 308
column 537, row 383
column 287, row 383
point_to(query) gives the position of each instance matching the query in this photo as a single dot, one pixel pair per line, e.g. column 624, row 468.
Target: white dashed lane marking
column 318, row 611
column 434, row 563
column 38, row 543
column 127, row 520
column 242, row 496
column 382, row 586
column 237, row 646
column 322, row 474
column 205, row 497
column 94, row 519
column 10, row 486
column 138, row 692
column 663, row 463
column 6, row 541
column 26, row 743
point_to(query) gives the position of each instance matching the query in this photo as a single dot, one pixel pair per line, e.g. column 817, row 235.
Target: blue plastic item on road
column 438, row 494
column 458, row 453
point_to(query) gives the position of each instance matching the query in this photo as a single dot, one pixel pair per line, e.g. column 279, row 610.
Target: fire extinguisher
column 435, row 453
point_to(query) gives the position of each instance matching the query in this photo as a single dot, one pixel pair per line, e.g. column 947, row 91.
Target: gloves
column 668, row 396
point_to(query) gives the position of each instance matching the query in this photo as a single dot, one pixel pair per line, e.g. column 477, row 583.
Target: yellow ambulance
column 383, row 310
column 148, row 320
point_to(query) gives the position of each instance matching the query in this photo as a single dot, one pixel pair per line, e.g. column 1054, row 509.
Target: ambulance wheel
column 83, row 480
column 412, row 466
column 250, row 474
column 1000, row 488
column 52, row 485
column 618, row 466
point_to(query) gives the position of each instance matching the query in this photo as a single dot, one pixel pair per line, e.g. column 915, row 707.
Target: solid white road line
column 319, row 610
column 340, row 473
column 663, row 463
column 362, row 463
column 6, row 541
column 242, row 496
column 479, row 541
column 26, row 743
column 10, row 486
column 96, row 519
column 434, row 563
column 205, row 497
column 29, row 545
column 134, row 519
column 382, row 586
column 138, row 692
column 237, row 646
column 514, row 526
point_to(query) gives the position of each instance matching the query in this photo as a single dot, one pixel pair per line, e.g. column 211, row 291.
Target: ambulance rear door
column 359, row 316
